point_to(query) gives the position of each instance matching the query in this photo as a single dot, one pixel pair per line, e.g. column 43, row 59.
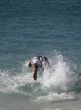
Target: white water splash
column 11, row 84
column 55, row 80
column 59, row 75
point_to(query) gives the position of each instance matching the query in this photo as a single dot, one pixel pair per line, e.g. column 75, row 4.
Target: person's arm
column 35, row 72
column 46, row 60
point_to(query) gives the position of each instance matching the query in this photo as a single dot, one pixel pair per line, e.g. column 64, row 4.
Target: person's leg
column 35, row 68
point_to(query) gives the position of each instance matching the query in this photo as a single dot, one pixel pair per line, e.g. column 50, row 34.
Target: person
column 38, row 62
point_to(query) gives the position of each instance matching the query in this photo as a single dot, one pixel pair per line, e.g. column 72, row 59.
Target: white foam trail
column 56, row 97
column 13, row 83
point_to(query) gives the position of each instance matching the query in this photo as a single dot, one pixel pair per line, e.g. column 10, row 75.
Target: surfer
column 38, row 62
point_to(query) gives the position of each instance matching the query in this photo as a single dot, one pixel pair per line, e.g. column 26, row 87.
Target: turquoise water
column 51, row 28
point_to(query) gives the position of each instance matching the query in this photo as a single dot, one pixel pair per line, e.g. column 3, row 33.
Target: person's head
column 30, row 64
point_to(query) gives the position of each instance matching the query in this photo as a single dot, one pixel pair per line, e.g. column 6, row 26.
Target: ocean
column 30, row 28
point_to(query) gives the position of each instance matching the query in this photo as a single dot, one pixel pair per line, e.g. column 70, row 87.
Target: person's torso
column 38, row 60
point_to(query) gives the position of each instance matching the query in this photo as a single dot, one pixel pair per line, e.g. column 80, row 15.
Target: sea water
column 30, row 28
